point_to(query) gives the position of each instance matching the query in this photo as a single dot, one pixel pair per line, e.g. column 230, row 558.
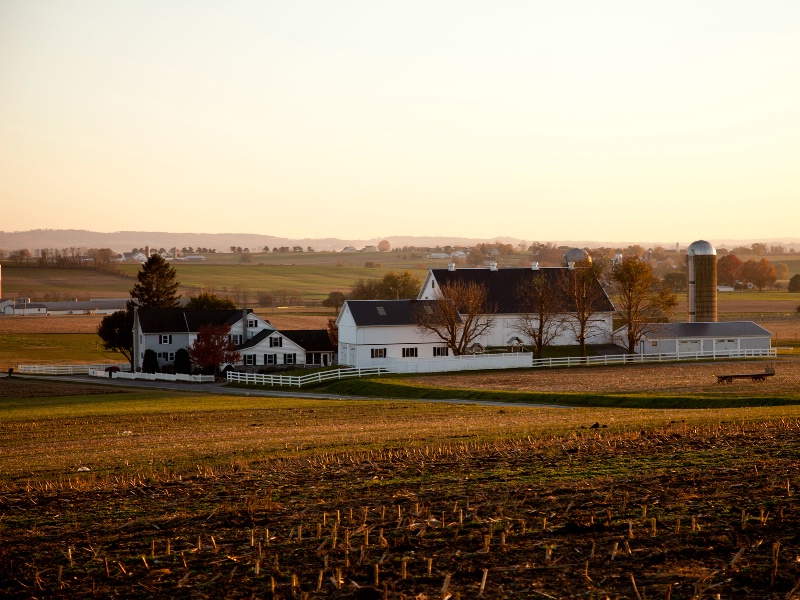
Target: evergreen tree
column 157, row 287
column 149, row 362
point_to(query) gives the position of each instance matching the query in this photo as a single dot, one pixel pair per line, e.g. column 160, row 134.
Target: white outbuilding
column 693, row 338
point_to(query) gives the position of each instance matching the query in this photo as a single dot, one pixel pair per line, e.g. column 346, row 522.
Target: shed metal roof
column 708, row 330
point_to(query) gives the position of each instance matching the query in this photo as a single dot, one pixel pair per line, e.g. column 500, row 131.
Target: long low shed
column 690, row 338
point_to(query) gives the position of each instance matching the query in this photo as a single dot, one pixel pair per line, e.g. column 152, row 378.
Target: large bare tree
column 459, row 315
column 641, row 299
column 543, row 310
column 586, row 299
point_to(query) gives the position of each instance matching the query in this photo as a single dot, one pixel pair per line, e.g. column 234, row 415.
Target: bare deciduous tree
column 586, row 298
column 640, row 298
column 458, row 315
column 543, row 311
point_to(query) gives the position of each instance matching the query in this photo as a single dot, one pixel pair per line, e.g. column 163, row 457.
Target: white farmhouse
column 166, row 330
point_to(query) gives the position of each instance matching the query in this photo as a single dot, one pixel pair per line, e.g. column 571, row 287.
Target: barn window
column 409, row 353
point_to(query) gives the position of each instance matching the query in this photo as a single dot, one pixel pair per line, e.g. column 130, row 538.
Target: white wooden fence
column 156, row 376
column 301, row 380
column 466, row 362
column 623, row 359
column 69, row 369
column 486, row 361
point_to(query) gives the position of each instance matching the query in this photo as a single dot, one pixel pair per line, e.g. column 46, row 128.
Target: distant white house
column 349, row 249
column 691, row 338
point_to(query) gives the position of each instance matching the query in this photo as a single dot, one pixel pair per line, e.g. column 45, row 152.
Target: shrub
column 183, row 363
column 149, row 362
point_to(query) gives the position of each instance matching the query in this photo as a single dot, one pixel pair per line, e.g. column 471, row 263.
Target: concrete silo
column 702, row 259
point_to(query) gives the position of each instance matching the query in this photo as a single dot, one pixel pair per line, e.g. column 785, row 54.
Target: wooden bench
column 768, row 372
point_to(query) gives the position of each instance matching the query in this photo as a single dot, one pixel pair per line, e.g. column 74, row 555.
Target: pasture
column 205, row 496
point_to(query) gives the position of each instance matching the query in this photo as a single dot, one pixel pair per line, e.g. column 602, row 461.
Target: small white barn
column 372, row 332
column 691, row 338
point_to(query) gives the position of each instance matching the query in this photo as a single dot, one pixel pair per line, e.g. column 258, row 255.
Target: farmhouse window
column 165, row 339
column 249, row 359
column 236, row 338
column 276, row 342
column 252, row 323
column 378, row 353
column 270, row 359
column 171, row 356
column 409, row 353
column 161, row 355
column 440, row 351
column 289, row 359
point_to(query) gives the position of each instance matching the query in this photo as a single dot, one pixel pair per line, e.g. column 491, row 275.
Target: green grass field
column 309, row 281
column 53, row 348
column 146, row 431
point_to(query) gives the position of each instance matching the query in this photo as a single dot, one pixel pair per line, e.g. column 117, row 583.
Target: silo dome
column 701, row 248
column 576, row 255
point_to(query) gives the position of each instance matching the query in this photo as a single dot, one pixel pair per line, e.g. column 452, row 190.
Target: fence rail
column 624, row 359
column 301, row 380
column 69, row 369
column 155, row 376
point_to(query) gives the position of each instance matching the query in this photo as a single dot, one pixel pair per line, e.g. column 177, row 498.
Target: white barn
column 502, row 286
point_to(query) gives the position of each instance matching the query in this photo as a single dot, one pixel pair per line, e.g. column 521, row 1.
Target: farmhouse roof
column 705, row 330
column 502, row 285
column 256, row 339
column 179, row 320
column 386, row 312
column 311, row 340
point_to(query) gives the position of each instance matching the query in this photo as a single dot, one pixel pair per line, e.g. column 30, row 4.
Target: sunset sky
column 586, row 120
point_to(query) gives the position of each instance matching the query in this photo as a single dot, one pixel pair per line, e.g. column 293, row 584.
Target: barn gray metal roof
column 386, row 312
column 502, row 286
column 707, row 330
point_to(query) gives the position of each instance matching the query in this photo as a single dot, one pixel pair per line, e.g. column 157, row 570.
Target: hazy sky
column 664, row 121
